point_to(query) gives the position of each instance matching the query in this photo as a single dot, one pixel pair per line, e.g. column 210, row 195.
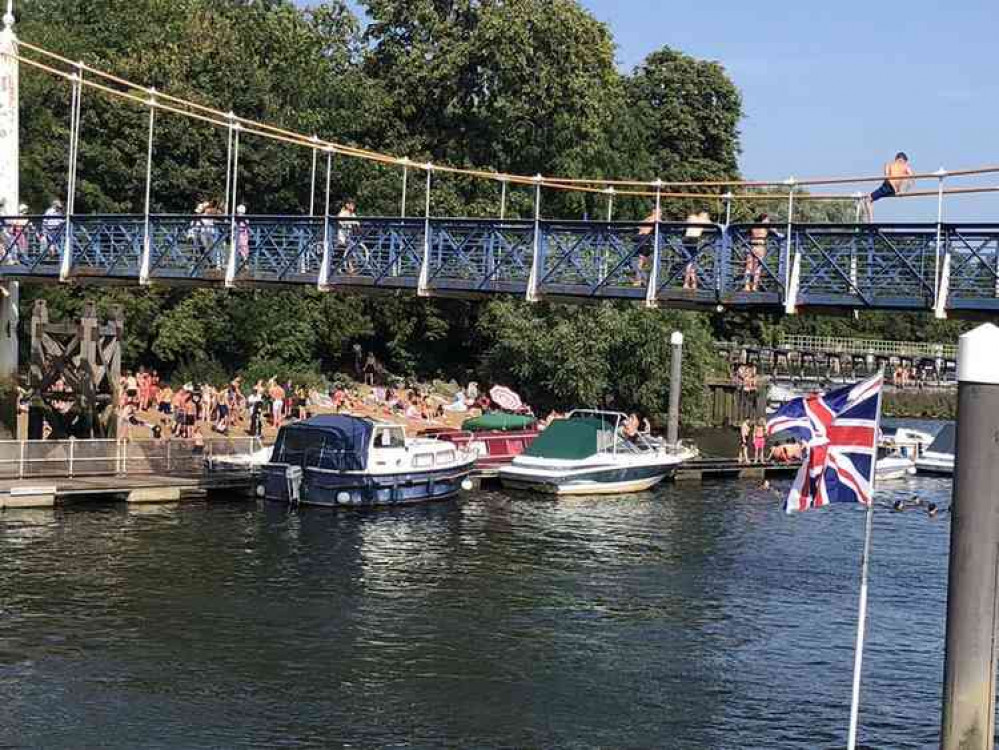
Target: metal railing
column 884, row 266
column 21, row 459
column 827, row 344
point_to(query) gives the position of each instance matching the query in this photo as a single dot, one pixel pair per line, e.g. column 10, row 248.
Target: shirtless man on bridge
column 898, row 179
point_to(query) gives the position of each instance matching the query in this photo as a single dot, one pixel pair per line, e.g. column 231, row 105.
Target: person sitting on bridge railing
column 898, row 179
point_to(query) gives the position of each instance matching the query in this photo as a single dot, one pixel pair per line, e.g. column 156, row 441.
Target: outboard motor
column 293, row 478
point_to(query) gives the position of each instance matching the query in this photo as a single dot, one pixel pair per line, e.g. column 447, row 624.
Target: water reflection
column 694, row 617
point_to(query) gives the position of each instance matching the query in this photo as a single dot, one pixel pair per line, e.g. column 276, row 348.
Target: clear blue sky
column 837, row 88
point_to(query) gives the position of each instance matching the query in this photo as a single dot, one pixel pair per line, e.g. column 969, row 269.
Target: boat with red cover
column 495, row 438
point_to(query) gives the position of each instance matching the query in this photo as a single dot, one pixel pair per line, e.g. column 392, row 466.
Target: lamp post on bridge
column 10, row 196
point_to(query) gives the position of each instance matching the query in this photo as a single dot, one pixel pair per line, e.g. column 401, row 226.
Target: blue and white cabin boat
column 340, row 460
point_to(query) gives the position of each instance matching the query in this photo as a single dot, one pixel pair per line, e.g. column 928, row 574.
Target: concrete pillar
column 675, row 382
column 9, row 195
column 968, row 716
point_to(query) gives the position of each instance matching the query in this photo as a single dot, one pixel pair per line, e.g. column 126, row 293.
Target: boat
column 938, row 458
column 496, row 438
column 891, row 466
column 588, row 453
column 898, row 450
column 906, row 441
column 240, row 461
column 342, row 460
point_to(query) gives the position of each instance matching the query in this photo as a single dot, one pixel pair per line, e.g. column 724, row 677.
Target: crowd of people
column 184, row 412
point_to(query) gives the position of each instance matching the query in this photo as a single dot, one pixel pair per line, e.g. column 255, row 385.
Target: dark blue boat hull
column 336, row 489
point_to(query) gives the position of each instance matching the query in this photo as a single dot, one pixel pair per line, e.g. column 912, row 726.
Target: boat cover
column 568, row 439
column 330, row 441
column 498, row 420
column 945, row 440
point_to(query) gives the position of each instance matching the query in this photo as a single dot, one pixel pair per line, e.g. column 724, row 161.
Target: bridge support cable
column 324, row 266
column 791, row 261
column 312, row 183
column 228, row 162
column 610, row 204
column 147, row 240
column 653, row 281
column 230, row 267
column 727, row 199
column 503, row 184
column 66, row 263
column 941, row 264
column 405, row 187
column 533, row 276
column 423, row 284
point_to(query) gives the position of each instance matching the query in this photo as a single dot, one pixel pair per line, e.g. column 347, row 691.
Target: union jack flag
column 839, row 429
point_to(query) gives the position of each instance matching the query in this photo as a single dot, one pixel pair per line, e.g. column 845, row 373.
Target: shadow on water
column 691, row 617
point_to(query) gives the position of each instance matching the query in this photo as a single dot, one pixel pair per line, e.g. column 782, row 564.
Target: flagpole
column 858, row 654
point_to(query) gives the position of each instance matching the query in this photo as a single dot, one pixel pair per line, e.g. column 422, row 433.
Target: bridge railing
column 973, row 267
column 476, row 256
column 910, row 266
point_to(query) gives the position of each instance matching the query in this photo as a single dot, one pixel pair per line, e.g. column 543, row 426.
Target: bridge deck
column 853, row 266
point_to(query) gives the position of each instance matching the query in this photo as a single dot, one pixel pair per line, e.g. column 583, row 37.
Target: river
column 692, row 617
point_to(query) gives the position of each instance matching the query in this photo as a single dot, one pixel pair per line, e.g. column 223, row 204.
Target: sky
column 835, row 89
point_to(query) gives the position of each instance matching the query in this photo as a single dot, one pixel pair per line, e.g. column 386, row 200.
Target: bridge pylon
column 9, row 204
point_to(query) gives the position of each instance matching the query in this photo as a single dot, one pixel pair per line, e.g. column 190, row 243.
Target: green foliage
column 615, row 355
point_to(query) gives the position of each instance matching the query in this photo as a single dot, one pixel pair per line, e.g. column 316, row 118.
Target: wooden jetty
column 43, row 473
column 727, row 468
column 48, row 492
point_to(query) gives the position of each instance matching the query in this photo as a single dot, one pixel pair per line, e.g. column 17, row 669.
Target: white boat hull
column 935, row 463
column 894, row 467
column 599, row 475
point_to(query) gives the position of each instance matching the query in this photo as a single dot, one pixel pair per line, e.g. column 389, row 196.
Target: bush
column 198, row 371
column 265, row 369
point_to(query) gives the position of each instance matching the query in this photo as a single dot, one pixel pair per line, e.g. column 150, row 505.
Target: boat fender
column 466, row 484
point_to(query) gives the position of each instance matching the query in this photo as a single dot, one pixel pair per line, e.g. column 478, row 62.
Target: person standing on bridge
column 52, row 226
column 345, row 228
column 898, row 179
column 692, row 246
column 758, row 236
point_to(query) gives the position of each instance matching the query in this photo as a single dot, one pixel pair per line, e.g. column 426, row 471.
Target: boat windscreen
column 945, row 440
column 569, row 439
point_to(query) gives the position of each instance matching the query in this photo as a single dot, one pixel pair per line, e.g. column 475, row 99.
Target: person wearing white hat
column 242, row 233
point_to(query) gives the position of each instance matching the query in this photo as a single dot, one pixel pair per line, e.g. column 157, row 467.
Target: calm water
column 694, row 617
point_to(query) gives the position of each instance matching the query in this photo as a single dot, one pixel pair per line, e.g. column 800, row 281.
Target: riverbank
column 921, row 404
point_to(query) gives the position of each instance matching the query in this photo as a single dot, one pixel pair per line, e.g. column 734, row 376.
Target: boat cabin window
column 390, row 437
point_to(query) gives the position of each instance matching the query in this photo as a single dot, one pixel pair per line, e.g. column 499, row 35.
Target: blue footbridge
column 786, row 265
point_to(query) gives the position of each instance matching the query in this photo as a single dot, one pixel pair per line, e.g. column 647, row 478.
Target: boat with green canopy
column 592, row 452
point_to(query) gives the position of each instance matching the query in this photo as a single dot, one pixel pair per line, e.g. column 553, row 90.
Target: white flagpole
column 858, row 654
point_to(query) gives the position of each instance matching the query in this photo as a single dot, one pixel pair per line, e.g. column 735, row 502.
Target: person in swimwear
column 898, row 179
column 757, row 252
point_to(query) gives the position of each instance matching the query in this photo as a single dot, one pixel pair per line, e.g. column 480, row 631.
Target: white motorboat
column 938, row 458
column 906, row 441
column 894, row 466
column 588, row 453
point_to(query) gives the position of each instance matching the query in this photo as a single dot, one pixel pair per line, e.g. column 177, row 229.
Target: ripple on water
column 692, row 617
